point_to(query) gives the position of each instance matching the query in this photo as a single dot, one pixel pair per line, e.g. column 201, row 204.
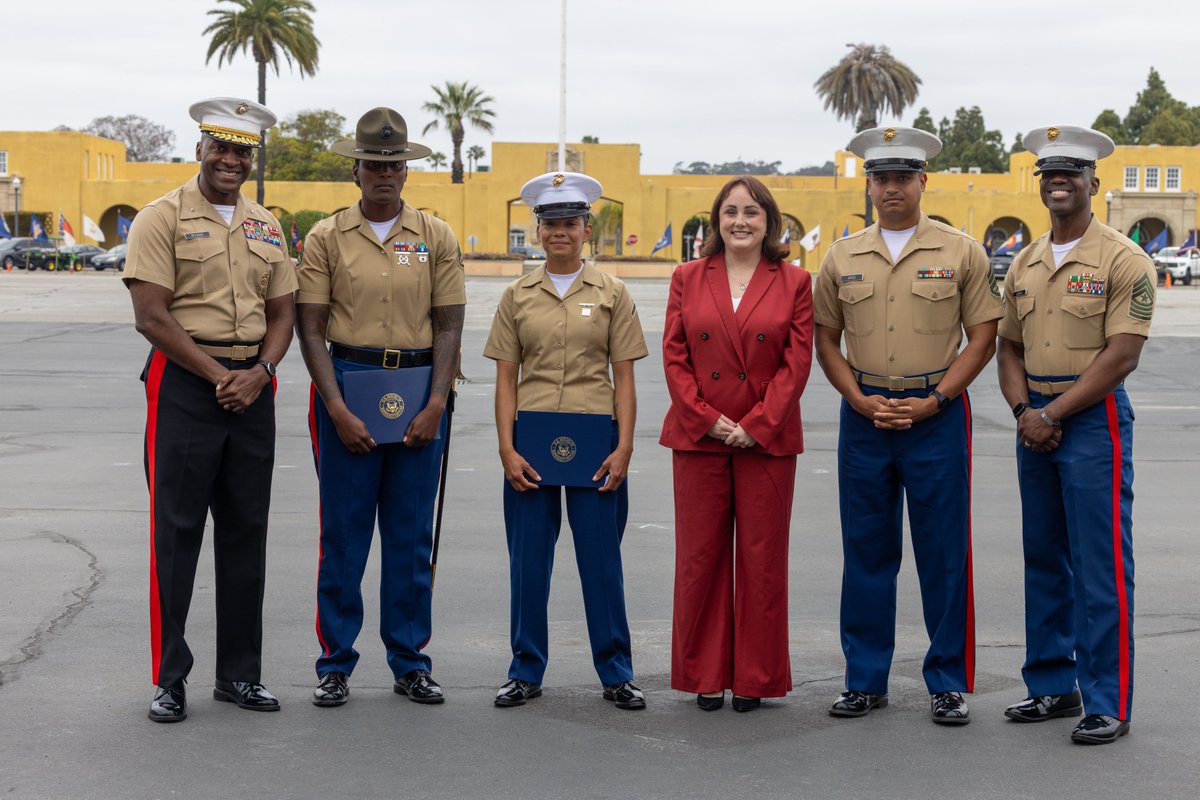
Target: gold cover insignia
column 242, row 108
column 889, row 134
column 391, row 405
column 1051, row 133
column 558, row 179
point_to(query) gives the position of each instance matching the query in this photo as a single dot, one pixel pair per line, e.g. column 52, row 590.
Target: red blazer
column 751, row 365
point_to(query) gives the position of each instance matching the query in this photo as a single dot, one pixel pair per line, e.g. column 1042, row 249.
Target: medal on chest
column 259, row 231
column 586, row 309
column 1085, row 283
column 407, row 251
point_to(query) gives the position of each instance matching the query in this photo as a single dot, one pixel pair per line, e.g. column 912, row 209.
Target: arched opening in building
column 108, row 224
column 692, row 235
column 1152, row 234
column 942, row 220
column 1006, row 235
column 608, row 226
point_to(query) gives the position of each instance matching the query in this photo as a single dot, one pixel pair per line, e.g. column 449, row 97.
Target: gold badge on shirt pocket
column 586, row 309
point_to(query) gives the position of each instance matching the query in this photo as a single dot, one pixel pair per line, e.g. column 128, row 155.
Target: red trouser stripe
column 312, row 432
column 969, row 655
column 153, row 386
column 1114, row 433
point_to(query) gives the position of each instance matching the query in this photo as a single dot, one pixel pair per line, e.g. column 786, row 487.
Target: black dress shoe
column 420, row 687
column 625, row 695
column 949, row 708
column 744, row 704
column 251, row 696
column 516, row 692
column 333, row 690
column 1099, row 729
column 710, row 703
column 1050, row 706
column 168, row 705
column 857, row 704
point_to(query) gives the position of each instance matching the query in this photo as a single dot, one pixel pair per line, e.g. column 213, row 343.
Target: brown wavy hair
column 772, row 248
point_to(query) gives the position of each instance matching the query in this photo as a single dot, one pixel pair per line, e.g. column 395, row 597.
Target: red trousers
column 730, row 630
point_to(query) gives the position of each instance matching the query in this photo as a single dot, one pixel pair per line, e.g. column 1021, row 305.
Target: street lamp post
column 16, row 187
column 1108, row 208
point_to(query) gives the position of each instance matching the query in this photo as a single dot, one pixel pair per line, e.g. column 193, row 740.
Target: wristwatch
column 268, row 366
column 942, row 401
column 1019, row 409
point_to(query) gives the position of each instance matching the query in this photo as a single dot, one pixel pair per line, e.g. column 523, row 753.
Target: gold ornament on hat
column 242, row 108
column 558, row 179
column 1051, row 133
column 889, row 134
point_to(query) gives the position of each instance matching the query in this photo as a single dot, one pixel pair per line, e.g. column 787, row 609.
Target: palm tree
column 867, row 80
column 606, row 224
column 267, row 29
column 457, row 104
column 474, row 153
column 437, row 160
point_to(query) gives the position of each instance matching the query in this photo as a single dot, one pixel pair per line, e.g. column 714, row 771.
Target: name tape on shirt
column 858, row 276
column 262, row 232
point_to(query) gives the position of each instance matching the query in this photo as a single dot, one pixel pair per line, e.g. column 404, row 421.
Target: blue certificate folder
column 386, row 400
column 565, row 449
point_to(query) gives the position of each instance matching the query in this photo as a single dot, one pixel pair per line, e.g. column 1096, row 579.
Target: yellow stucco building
column 1150, row 188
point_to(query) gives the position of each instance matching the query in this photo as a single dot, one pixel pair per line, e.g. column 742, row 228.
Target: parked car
column 113, row 258
column 24, row 252
column 1182, row 264
column 526, row 251
column 1000, row 263
column 80, row 255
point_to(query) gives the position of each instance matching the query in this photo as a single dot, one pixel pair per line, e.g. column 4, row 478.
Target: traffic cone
column 1167, row 284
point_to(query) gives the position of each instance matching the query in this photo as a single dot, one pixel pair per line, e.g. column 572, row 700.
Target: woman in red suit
column 737, row 351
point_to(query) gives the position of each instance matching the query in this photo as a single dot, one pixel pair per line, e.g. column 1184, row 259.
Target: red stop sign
column 632, row 240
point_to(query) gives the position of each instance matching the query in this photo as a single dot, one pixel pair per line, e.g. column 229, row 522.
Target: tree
column 1109, row 122
column 459, row 104
column 298, row 148
column 924, row 121
column 266, row 29
column 1151, row 100
column 967, row 143
column 606, row 224
column 1172, row 125
column 437, row 160
column 144, row 140
column 738, row 167
column 474, row 153
column 591, row 140
column 866, row 81
column 1018, row 144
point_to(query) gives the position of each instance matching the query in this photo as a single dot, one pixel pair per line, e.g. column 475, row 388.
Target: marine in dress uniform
column 555, row 334
column 212, row 287
column 1078, row 304
column 903, row 292
column 737, row 351
column 381, row 288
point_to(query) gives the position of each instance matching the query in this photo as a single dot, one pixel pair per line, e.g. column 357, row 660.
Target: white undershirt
column 1060, row 251
column 563, row 282
column 382, row 229
column 226, row 212
column 895, row 240
column 736, row 302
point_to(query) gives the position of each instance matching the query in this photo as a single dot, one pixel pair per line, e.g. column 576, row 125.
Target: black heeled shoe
column 710, row 703
column 743, row 704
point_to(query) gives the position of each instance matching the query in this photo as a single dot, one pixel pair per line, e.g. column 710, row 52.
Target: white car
column 1184, row 265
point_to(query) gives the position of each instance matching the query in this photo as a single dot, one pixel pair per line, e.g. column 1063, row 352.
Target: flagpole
column 562, row 98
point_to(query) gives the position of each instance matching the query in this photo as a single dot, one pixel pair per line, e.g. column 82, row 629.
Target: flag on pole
column 787, row 236
column 65, row 230
column 296, row 244
column 846, row 231
column 663, row 241
column 1012, row 244
column 123, row 224
column 5, row 233
column 1190, row 241
column 1157, row 243
column 698, row 241
column 811, row 239
column 1136, row 235
column 91, row 229
column 36, row 230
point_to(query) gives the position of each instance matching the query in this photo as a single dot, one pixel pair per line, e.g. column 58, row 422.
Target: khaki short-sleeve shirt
column 221, row 273
column 1064, row 315
column 565, row 345
column 905, row 318
column 380, row 294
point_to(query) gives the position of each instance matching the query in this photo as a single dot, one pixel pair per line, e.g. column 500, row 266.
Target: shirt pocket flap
column 199, row 250
column 1083, row 307
column 1024, row 306
column 935, row 290
column 852, row 293
column 267, row 252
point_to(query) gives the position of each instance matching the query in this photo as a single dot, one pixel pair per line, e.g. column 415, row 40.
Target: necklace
column 741, row 284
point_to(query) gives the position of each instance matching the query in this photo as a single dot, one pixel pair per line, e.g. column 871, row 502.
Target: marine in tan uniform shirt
column 213, row 296
column 1078, row 304
column 905, row 423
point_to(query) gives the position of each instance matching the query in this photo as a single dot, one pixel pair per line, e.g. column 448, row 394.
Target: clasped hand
column 731, row 433
column 238, row 389
column 895, row 414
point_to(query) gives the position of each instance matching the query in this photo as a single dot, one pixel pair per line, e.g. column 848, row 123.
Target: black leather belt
column 388, row 359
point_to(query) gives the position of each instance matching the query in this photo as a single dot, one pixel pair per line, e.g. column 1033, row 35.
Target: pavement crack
column 31, row 649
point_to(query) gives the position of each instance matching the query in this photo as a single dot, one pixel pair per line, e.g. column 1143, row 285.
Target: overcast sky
column 690, row 80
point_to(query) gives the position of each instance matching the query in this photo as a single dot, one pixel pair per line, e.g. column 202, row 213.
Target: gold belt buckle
column 395, row 354
column 895, row 383
column 238, row 352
